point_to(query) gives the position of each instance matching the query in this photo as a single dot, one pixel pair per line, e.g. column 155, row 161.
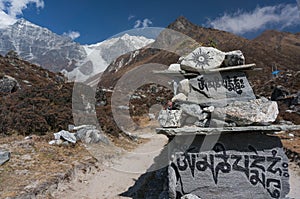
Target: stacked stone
column 215, row 92
column 215, row 103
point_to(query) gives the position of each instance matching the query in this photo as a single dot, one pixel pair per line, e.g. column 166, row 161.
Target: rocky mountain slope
column 59, row 53
column 40, row 103
column 40, row 45
column 264, row 51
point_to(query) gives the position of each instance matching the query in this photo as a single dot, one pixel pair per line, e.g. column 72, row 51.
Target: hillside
column 260, row 51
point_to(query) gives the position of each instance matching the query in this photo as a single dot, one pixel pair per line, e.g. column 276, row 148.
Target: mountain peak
column 24, row 22
column 182, row 23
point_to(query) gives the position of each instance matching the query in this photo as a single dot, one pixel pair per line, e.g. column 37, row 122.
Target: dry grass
column 35, row 165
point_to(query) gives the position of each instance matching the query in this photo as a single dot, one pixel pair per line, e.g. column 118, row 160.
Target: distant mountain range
column 59, row 53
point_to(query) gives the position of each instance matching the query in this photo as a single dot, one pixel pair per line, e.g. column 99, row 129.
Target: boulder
column 89, row 135
column 192, row 110
column 170, row 118
column 4, row 157
column 258, row 111
column 234, row 58
column 203, row 58
column 8, row 84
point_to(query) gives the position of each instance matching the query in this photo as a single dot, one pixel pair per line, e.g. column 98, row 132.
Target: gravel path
column 115, row 177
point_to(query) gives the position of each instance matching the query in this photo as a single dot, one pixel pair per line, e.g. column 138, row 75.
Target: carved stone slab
column 250, row 165
column 220, row 88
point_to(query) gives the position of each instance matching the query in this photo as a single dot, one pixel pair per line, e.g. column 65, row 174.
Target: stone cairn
column 220, row 135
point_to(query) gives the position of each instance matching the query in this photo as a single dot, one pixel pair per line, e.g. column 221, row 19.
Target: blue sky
column 91, row 21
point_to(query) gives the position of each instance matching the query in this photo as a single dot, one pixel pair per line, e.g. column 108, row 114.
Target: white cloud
column 5, row 20
column 142, row 24
column 280, row 16
column 72, row 34
column 130, row 17
column 11, row 9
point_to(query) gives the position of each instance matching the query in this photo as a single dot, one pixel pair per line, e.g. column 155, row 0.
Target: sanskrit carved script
column 266, row 170
column 232, row 84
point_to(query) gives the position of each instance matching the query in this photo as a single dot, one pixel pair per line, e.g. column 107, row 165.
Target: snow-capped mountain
column 100, row 55
column 41, row 46
column 60, row 54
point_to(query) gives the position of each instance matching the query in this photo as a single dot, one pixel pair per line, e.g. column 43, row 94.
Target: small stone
column 190, row 196
column 209, row 109
column 66, row 135
column 56, row 142
column 184, row 87
column 170, row 118
column 174, row 67
column 203, row 123
column 179, row 97
column 4, row 157
column 234, row 58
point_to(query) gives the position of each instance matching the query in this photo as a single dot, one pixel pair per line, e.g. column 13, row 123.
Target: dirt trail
column 115, row 177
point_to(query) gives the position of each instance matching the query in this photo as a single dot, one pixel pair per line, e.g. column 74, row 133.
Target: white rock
column 184, row 87
column 190, row 196
column 259, row 111
column 170, row 118
column 179, row 97
column 203, row 58
column 174, row 67
column 66, row 135
column 291, row 135
column 209, row 109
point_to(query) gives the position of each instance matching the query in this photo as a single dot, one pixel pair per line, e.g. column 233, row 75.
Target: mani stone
column 234, row 58
column 258, row 111
column 170, row 118
column 245, row 165
column 219, row 89
column 203, row 58
column 4, row 157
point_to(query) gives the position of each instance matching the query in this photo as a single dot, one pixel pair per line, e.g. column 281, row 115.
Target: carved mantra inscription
column 232, row 84
column 259, row 170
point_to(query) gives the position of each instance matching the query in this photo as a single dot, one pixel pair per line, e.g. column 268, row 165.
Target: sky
column 92, row 21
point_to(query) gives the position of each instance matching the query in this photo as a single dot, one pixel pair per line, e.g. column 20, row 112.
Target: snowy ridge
column 60, row 54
